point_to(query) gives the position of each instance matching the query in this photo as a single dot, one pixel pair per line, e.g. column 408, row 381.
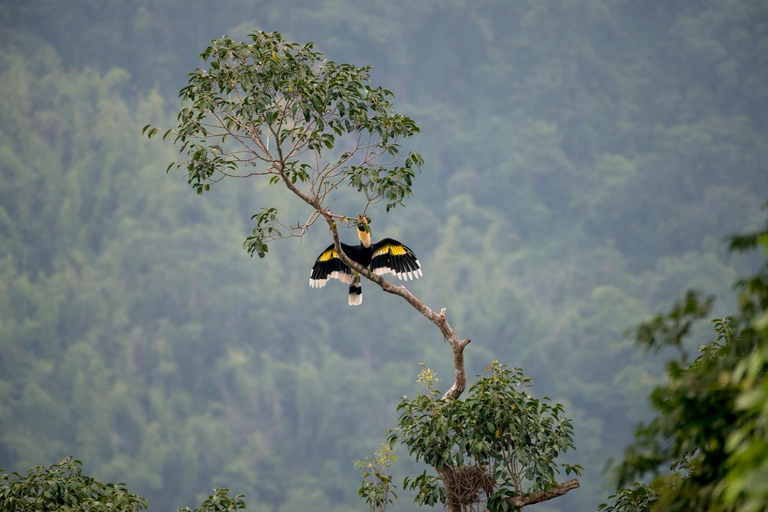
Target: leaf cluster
column 512, row 436
column 711, row 421
column 638, row 498
column 63, row 487
column 219, row 501
column 671, row 329
column 377, row 489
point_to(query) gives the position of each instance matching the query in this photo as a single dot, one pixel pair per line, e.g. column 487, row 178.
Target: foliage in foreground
column 712, row 421
column 377, row 489
column 497, row 443
column 63, row 487
column 638, row 498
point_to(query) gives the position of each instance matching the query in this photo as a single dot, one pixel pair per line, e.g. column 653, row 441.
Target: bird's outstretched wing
column 329, row 266
column 392, row 257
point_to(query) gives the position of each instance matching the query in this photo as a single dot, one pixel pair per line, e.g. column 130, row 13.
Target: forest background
column 584, row 162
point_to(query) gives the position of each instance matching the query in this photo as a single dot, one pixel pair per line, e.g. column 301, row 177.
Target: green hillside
column 584, row 161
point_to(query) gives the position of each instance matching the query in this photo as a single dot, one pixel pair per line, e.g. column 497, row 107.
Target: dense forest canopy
column 583, row 162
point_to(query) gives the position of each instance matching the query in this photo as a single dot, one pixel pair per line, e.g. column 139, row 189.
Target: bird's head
column 364, row 230
column 363, row 223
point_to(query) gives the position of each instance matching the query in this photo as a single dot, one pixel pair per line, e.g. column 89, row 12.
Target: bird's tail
column 355, row 291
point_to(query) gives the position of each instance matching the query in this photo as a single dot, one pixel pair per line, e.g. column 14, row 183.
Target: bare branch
column 248, row 131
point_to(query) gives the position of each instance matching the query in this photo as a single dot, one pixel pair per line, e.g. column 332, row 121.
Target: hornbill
column 386, row 256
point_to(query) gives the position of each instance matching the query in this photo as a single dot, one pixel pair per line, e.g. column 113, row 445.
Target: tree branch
column 538, row 497
column 460, row 375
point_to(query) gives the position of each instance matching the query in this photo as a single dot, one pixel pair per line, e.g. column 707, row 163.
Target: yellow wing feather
column 328, row 255
column 394, row 250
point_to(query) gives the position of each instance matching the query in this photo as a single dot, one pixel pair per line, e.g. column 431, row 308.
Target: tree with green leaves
column 63, row 487
column 278, row 110
column 497, row 446
column 712, row 414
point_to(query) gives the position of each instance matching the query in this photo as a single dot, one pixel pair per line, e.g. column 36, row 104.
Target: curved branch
column 439, row 319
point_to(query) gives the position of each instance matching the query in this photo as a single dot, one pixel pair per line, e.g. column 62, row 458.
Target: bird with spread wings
column 386, row 256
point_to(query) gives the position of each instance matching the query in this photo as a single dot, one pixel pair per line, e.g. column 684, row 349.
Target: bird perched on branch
column 386, row 256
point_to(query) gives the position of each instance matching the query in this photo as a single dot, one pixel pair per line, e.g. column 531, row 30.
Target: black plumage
column 387, row 256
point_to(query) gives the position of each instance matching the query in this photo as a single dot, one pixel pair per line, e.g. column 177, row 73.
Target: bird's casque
column 386, row 256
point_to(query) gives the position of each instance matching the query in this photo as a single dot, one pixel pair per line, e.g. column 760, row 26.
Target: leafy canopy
column 499, row 439
column 279, row 109
column 63, row 487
